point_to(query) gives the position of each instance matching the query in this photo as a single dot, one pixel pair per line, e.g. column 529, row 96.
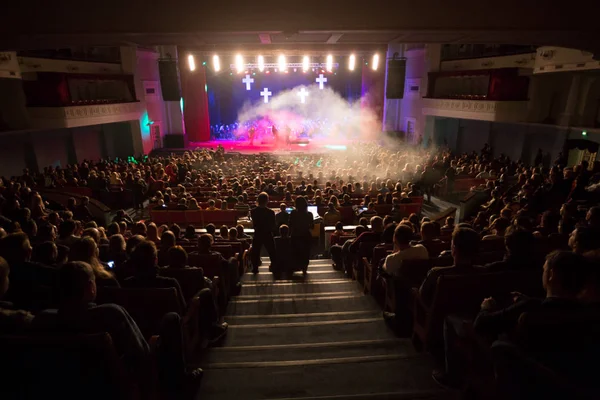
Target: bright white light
column 261, row 63
column 191, row 63
column 336, row 147
column 329, row 63
column 281, row 62
column 351, row 62
column 239, row 63
column 216, row 63
column 375, row 63
column 305, row 63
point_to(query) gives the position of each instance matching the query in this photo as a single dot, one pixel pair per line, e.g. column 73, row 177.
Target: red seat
column 347, row 214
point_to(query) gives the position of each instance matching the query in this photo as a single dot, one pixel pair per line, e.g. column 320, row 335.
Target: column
column 391, row 107
column 566, row 117
column 195, row 104
column 173, row 112
column 138, row 129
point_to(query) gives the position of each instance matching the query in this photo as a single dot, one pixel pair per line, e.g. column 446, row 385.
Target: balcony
column 482, row 110
column 83, row 115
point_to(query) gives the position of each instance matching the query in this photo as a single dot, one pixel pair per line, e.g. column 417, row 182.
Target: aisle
column 312, row 338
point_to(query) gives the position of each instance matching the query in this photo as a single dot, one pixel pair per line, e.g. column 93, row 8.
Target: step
column 284, row 287
column 310, row 332
column 253, row 356
column 241, row 320
column 311, row 275
column 403, row 376
column 355, row 301
column 311, row 267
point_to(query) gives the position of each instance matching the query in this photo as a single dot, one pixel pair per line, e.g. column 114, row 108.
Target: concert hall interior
column 299, row 200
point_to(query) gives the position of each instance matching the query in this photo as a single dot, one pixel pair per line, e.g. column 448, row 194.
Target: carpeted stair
column 313, row 337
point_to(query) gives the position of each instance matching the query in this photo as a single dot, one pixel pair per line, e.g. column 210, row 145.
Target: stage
column 315, row 146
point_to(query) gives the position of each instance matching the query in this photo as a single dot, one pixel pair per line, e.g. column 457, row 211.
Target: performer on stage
column 288, row 132
column 251, row 134
column 275, row 134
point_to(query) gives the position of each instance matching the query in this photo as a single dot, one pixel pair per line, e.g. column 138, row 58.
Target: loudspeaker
column 395, row 79
column 169, row 80
column 174, row 141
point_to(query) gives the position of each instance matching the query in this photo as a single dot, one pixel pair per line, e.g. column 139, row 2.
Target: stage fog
column 307, row 113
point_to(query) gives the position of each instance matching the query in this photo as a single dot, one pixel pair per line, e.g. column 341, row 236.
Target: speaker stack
column 395, row 79
column 169, row 80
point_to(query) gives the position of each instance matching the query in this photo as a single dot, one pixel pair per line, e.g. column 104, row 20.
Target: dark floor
column 317, row 337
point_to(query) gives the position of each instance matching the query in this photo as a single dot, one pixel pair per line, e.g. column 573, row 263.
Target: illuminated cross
column 265, row 93
column 248, row 81
column 303, row 93
column 321, row 80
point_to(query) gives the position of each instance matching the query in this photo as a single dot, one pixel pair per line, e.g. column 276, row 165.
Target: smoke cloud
column 335, row 116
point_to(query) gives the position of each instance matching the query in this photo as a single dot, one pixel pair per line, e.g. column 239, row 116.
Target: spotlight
column 329, row 63
column 239, row 63
column 351, row 62
column 191, row 62
column 261, row 63
column 281, row 62
column 305, row 63
column 375, row 62
column 295, row 69
column 216, row 63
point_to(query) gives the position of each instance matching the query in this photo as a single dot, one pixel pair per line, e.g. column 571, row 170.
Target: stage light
column 191, row 63
column 281, row 62
column 261, row 63
column 329, row 63
column 375, row 62
column 216, row 63
column 295, row 69
column 351, row 62
column 239, row 63
column 305, row 64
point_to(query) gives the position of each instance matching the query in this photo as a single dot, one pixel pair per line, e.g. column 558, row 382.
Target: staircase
column 313, row 337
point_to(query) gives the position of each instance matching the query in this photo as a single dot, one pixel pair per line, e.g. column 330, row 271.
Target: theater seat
column 64, row 367
column 462, row 295
column 191, row 280
column 146, row 306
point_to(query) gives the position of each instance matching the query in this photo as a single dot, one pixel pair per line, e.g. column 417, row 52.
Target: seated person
column 387, row 237
column 27, row 279
column 211, row 206
column 283, row 248
column 415, row 191
column 228, row 268
column 339, row 231
column 85, row 250
column 498, row 228
column 465, row 244
column 240, row 232
column 429, row 240
column 282, row 217
column 563, row 278
column 223, row 233
column 585, row 240
column 144, row 262
column 403, row 250
column 346, row 201
column 405, row 199
column 178, row 257
column 78, row 313
column 12, row 320
column 519, row 256
column 369, row 212
column 46, row 253
column 449, row 227
column 332, row 216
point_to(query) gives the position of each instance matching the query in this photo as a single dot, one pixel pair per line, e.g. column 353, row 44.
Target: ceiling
column 303, row 25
